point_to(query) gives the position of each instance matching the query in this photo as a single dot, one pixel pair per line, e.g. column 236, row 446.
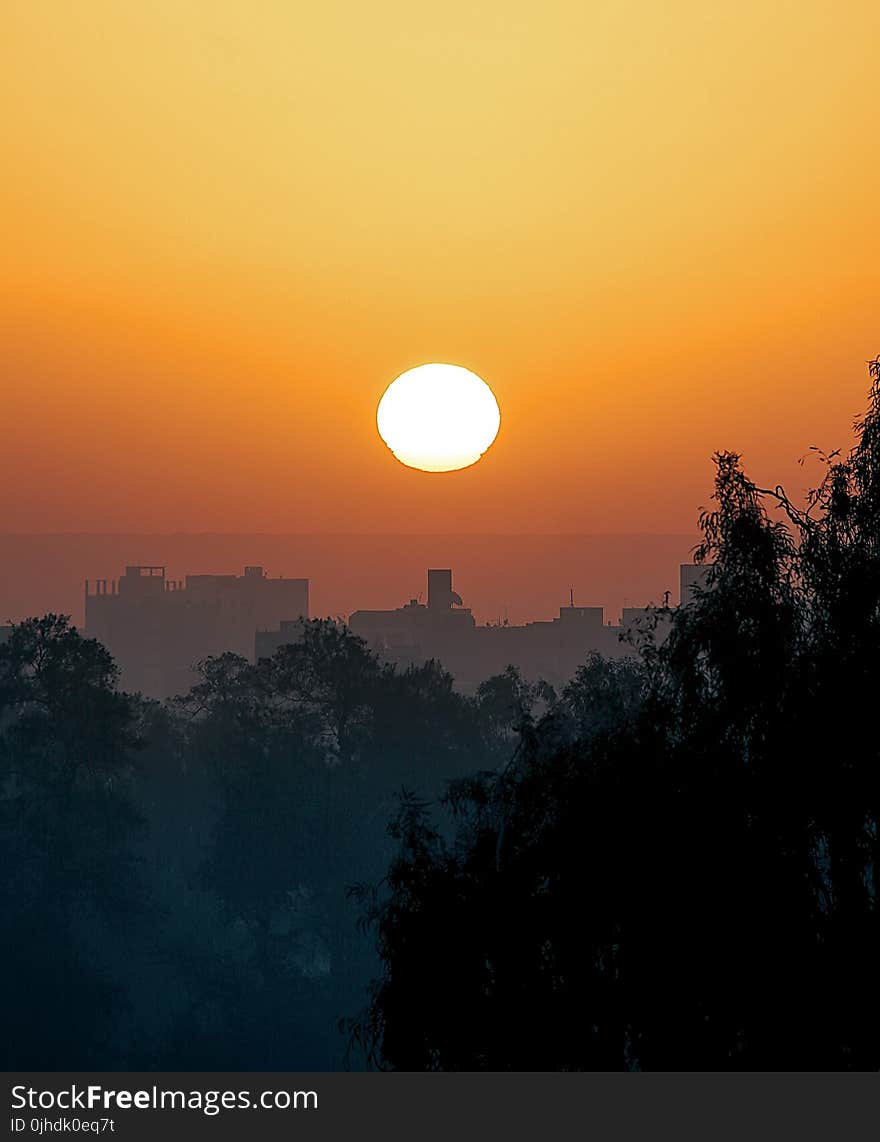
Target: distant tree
column 304, row 752
column 330, row 674
column 66, row 739
column 506, row 702
column 424, row 731
column 603, row 694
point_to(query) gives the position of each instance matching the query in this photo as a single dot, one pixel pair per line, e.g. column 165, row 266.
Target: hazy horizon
column 517, row 576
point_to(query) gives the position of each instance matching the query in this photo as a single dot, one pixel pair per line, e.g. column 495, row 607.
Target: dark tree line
column 174, row 874
column 672, row 863
column 66, row 817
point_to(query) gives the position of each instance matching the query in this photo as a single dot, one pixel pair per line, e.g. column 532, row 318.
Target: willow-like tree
column 678, row 867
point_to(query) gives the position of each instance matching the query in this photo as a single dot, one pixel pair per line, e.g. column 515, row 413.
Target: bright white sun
column 438, row 418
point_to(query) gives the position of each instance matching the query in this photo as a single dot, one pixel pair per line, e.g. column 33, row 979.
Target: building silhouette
column 158, row 628
column 441, row 628
column 445, row 630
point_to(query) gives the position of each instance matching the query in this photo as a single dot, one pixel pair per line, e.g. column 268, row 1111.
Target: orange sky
column 226, row 227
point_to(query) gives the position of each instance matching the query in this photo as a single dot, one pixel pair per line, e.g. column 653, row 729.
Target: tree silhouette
column 678, row 866
column 303, row 753
column 65, row 822
column 670, row 863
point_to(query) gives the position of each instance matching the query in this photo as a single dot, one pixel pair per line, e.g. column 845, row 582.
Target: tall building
column 158, row 628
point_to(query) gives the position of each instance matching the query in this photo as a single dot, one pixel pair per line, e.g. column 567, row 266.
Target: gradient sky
column 226, row 227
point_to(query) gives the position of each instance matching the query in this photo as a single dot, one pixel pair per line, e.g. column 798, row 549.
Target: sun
column 438, row 418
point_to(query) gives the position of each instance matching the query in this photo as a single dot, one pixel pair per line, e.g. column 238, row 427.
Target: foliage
column 670, row 863
column 65, row 818
column 678, row 868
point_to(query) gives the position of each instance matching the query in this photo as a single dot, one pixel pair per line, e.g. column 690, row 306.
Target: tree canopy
column 678, row 867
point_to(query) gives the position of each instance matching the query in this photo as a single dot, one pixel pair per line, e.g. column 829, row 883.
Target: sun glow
column 438, row 418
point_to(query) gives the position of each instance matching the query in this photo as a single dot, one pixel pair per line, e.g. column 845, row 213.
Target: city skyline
column 514, row 577
column 158, row 629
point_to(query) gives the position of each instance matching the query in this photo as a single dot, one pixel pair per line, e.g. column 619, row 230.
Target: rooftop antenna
column 571, row 596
